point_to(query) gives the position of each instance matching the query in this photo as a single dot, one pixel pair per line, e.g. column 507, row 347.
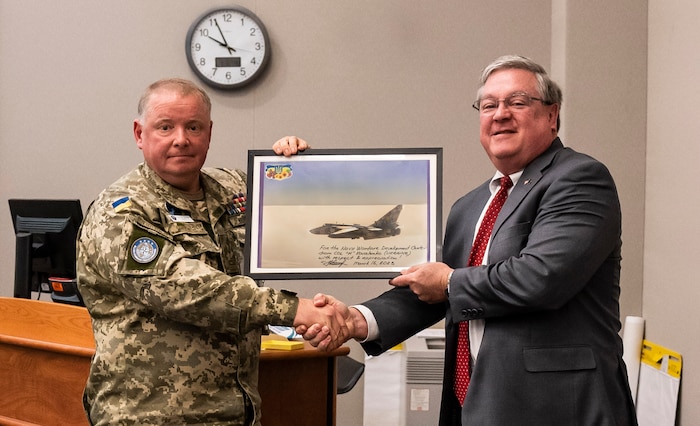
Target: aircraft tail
column 390, row 219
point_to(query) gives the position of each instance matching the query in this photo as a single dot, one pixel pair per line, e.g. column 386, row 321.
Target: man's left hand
column 290, row 145
column 428, row 281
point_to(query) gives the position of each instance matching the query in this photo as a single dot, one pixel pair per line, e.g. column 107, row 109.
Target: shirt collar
column 495, row 181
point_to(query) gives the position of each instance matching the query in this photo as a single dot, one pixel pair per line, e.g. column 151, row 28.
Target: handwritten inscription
column 337, row 255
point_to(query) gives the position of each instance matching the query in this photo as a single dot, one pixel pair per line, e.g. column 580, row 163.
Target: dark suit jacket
column 551, row 353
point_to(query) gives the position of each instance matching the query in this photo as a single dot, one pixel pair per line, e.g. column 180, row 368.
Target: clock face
column 227, row 48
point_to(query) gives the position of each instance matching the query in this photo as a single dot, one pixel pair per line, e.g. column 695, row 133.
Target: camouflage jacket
column 177, row 329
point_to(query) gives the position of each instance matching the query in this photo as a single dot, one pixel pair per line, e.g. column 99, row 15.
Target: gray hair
column 179, row 85
column 548, row 90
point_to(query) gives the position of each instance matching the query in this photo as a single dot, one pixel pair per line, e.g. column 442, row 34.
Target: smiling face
column 514, row 137
column 174, row 134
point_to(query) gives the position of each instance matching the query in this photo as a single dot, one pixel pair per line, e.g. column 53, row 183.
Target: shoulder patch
column 144, row 250
column 121, row 204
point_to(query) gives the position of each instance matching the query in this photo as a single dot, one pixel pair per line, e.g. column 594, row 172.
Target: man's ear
column 138, row 129
column 553, row 117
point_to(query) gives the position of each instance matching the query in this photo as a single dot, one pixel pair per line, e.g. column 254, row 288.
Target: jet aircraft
column 385, row 226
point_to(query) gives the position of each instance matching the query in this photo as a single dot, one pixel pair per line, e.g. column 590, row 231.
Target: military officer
column 177, row 327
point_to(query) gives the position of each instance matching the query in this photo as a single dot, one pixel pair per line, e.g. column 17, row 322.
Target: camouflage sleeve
column 124, row 253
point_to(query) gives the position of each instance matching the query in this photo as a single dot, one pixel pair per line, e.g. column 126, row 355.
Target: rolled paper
column 632, row 337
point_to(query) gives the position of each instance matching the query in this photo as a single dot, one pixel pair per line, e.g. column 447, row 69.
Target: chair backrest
column 349, row 372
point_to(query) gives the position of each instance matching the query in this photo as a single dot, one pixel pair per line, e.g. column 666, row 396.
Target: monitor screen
column 46, row 232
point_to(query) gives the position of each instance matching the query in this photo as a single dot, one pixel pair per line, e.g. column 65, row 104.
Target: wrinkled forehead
column 167, row 100
column 167, row 91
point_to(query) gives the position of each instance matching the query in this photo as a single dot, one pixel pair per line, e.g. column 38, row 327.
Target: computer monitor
column 46, row 232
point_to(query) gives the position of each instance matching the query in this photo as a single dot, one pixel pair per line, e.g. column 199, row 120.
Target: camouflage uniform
column 177, row 329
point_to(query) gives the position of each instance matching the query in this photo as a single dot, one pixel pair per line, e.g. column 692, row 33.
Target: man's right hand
column 320, row 336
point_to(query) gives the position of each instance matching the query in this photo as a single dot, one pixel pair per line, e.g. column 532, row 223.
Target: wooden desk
column 298, row 387
column 45, row 352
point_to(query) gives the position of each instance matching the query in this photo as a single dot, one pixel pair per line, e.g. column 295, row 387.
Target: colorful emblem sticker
column 144, row 250
column 278, row 172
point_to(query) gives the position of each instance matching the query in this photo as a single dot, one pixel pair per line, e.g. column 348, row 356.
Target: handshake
column 327, row 323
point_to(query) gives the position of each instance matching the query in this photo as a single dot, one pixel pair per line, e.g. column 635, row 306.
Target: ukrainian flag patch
column 121, row 204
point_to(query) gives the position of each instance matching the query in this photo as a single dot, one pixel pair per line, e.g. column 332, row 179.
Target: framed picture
column 342, row 213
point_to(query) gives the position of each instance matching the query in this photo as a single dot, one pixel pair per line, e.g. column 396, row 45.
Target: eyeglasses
column 514, row 101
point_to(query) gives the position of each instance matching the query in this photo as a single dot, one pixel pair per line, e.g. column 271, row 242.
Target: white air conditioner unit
column 403, row 386
column 425, row 359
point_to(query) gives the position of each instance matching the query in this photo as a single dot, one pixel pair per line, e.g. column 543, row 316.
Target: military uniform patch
column 144, row 250
column 121, row 204
column 237, row 205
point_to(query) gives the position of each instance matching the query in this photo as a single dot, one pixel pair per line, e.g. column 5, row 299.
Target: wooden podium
column 45, row 352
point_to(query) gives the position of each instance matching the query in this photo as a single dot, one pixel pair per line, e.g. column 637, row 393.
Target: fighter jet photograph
column 385, row 226
column 335, row 215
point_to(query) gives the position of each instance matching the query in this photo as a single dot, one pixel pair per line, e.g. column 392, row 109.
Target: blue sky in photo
column 352, row 182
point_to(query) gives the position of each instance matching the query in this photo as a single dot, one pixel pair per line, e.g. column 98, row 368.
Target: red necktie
column 476, row 257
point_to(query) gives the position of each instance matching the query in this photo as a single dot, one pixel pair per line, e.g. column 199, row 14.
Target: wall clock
column 227, row 47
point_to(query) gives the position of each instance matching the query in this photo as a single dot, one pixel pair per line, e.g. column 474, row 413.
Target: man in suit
column 542, row 305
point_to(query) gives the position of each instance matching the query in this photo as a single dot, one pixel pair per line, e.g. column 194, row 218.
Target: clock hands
column 224, row 43
column 220, row 32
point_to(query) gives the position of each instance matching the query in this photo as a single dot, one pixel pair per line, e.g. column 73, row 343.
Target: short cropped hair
column 180, row 85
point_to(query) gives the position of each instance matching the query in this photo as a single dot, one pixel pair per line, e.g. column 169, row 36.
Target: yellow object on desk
column 284, row 345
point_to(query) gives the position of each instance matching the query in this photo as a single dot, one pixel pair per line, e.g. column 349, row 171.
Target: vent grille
column 34, row 224
column 424, row 370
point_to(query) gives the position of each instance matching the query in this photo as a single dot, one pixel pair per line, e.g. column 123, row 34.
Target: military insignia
column 144, row 250
column 121, row 204
column 238, row 204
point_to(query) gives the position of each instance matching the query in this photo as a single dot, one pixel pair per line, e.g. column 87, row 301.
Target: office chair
column 349, row 372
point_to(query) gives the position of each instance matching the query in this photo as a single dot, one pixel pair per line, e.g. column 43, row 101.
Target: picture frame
column 342, row 213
